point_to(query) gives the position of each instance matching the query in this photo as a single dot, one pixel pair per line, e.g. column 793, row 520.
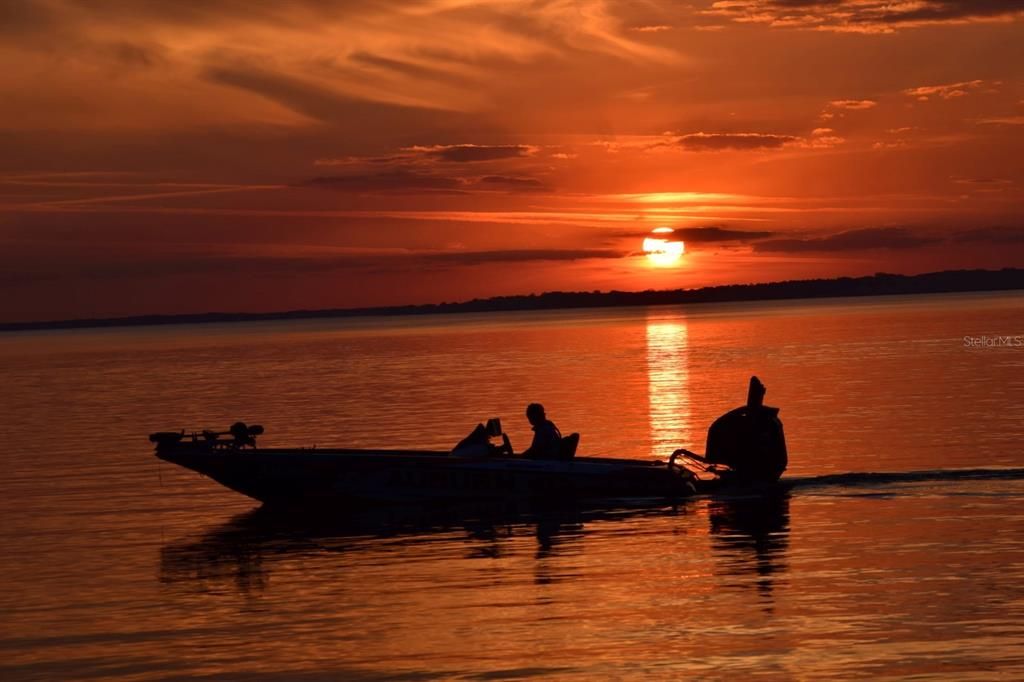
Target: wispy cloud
column 466, row 153
column 401, row 181
column 734, row 141
column 853, row 104
column 423, row 155
column 319, row 100
column 411, row 181
column 395, row 261
column 156, row 191
column 299, row 64
column 823, row 138
column 1003, row 121
column 510, row 182
column 865, row 16
column 516, row 256
column 947, row 91
column 714, row 234
column 991, row 235
column 984, row 184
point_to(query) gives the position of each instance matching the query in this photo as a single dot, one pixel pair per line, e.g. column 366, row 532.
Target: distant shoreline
column 880, row 284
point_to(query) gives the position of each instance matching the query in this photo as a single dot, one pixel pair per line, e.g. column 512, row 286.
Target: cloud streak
column 864, row 16
column 389, row 181
column 707, row 142
column 395, row 261
column 947, row 91
column 991, row 235
column 413, row 181
column 697, row 235
column 469, row 153
column 887, row 238
column 708, row 235
column 853, row 104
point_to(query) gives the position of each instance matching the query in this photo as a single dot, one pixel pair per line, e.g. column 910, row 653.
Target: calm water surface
column 113, row 565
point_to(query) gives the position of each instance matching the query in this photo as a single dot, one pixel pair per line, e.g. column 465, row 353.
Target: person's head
column 535, row 413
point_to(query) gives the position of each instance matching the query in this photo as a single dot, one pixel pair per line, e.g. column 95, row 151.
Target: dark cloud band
column 737, row 141
column 851, row 240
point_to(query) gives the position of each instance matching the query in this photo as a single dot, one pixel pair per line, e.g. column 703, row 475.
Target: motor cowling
column 749, row 440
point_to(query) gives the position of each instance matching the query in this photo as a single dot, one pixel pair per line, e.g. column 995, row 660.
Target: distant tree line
column 879, row 284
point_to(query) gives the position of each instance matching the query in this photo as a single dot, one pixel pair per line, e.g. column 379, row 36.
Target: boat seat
column 567, row 448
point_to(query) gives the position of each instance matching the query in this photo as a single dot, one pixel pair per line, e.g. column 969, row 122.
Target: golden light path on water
column 668, row 381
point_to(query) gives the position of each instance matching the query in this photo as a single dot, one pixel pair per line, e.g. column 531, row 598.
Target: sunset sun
column 662, row 249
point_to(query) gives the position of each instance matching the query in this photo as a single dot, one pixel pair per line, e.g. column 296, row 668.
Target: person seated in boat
column 547, row 439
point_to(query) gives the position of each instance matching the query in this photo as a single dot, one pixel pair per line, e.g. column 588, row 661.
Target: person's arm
column 535, row 447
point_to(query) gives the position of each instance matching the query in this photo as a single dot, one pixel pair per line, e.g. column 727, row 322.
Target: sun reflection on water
column 668, row 381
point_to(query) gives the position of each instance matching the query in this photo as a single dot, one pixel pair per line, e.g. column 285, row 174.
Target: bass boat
column 746, row 447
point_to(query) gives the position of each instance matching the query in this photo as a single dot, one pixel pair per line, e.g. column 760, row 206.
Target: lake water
column 116, row 566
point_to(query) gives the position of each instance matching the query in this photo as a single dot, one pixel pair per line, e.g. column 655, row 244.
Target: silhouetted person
column 547, row 439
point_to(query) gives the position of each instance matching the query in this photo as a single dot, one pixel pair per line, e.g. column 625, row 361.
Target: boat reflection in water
column 243, row 550
column 751, row 536
column 748, row 539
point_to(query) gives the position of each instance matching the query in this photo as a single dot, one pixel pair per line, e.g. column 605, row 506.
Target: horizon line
column 583, row 299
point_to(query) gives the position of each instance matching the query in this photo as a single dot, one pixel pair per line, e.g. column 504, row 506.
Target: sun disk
column 661, row 250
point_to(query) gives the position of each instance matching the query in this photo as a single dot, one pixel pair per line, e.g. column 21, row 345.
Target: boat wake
column 871, row 479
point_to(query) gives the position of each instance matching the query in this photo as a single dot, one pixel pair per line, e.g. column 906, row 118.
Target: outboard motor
column 749, row 440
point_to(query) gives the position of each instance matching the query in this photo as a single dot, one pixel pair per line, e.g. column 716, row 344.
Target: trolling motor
column 745, row 445
column 241, row 434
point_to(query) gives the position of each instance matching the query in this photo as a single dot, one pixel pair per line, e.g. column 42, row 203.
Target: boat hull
column 357, row 477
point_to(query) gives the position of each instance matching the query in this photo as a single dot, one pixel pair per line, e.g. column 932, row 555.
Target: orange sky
column 232, row 155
